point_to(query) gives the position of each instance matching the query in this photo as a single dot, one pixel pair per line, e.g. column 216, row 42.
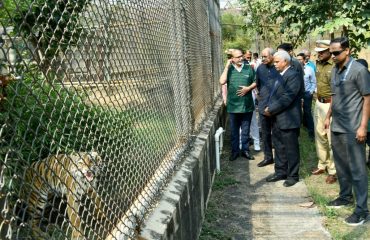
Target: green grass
column 214, row 211
column 322, row 193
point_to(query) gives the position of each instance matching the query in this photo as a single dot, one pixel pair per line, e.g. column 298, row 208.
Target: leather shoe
column 247, row 155
column 233, row 158
column 331, row 179
column 274, row 178
column 318, row 171
column 265, row 163
column 289, row 182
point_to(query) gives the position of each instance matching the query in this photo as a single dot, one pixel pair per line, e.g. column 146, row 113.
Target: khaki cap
column 322, row 45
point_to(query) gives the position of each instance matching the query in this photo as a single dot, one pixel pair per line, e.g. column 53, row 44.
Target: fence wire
column 99, row 100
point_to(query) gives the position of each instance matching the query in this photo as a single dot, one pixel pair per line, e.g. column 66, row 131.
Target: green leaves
column 49, row 25
column 299, row 18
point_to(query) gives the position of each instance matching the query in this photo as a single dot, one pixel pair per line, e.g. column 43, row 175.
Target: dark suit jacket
column 266, row 75
column 285, row 101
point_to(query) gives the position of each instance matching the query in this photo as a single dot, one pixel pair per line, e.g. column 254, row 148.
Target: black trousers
column 350, row 163
column 266, row 126
column 287, row 155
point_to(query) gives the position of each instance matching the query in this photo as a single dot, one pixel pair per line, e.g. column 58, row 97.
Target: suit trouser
column 350, row 162
column 323, row 138
column 266, row 126
column 307, row 113
column 287, row 155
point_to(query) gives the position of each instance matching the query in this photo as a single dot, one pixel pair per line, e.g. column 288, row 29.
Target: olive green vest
column 246, row 77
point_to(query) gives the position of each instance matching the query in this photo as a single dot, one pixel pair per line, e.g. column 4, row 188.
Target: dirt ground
column 244, row 206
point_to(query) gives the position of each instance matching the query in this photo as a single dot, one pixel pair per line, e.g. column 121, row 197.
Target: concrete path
column 262, row 210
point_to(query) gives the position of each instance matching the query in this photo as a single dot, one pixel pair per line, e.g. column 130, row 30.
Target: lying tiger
column 71, row 176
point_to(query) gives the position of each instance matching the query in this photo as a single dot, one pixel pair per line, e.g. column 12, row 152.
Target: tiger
column 69, row 175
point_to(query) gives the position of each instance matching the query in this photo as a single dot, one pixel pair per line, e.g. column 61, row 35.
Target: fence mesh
column 99, row 100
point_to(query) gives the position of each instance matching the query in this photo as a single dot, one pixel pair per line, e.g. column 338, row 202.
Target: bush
column 39, row 119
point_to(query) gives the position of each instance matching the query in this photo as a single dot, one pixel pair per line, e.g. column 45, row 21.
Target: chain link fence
column 99, row 100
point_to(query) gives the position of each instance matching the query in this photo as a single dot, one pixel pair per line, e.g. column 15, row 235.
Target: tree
column 49, row 26
column 258, row 14
column 299, row 18
column 234, row 33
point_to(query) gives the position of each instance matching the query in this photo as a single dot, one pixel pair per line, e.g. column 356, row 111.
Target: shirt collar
column 282, row 73
column 330, row 61
column 238, row 68
column 345, row 65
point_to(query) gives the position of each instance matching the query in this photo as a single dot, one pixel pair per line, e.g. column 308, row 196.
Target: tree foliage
column 234, row 33
column 49, row 26
column 299, row 18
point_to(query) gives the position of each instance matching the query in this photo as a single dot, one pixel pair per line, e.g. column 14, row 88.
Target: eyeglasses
column 264, row 57
column 336, row 53
column 241, row 56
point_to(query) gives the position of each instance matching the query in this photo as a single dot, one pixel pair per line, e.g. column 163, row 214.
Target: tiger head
column 86, row 166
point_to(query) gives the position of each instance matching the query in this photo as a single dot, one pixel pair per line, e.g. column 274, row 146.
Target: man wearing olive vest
column 240, row 80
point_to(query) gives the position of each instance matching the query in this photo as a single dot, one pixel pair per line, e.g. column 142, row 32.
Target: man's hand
column 361, row 134
column 266, row 112
column 327, row 123
column 228, row 63
column 242, row 91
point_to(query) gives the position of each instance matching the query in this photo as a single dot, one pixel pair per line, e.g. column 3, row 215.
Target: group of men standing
column 342, row 104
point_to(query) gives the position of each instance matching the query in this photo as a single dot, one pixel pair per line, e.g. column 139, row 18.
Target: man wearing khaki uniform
column 322, row 136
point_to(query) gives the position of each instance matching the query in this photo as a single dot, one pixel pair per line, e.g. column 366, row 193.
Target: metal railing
column 99, row 100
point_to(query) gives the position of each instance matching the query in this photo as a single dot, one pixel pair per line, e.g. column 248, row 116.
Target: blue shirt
column 312, row 65
column 309, row 79
column 266, row 76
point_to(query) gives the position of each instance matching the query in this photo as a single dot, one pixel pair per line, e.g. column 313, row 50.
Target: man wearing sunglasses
column 240, row 80
column 350, row 110
column 324, row 66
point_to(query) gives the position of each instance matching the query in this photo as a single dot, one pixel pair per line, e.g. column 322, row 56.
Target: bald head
column 267, row 56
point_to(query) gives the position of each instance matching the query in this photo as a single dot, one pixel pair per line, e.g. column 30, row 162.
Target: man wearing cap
column 324, row 66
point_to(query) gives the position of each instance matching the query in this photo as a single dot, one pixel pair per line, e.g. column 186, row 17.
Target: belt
column 324, row 100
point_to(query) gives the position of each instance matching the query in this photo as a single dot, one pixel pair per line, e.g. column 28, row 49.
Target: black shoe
column 233, row 157
column 289, row 182
column 265, row 163
column 356, row 220
column 339, row 202
column 274, row 178
column 247, row 155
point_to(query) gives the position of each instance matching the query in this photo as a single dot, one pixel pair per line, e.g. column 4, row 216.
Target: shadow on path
column 244, row 206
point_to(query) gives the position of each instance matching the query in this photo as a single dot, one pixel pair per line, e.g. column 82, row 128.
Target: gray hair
column 284, row 55
column 271, row 51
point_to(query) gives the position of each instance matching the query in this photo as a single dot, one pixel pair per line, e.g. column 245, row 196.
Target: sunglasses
column 336, row 53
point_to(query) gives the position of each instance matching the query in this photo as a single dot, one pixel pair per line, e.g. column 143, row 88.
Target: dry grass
column 322, row 193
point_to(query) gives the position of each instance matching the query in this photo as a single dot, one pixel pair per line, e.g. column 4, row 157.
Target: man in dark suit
column 284, row 107
column 266, row 76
